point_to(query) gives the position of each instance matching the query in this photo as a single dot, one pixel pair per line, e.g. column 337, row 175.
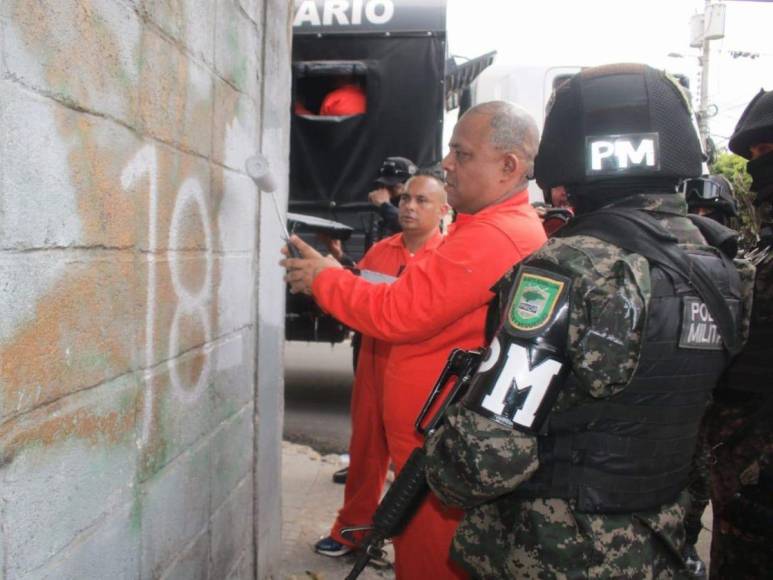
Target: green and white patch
column 534, row 301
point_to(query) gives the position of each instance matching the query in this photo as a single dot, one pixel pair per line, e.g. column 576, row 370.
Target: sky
column 588, row 32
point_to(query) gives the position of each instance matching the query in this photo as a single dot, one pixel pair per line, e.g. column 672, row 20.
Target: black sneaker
column 327, row 546
column 341, row 475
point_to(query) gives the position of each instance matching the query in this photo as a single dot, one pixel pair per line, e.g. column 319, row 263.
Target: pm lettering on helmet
column 633, row 153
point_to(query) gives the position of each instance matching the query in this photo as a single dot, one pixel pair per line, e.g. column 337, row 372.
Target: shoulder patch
column 698, row 329
column 535, row 299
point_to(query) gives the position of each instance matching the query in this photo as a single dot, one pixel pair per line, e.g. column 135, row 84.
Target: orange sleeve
column 431, row 294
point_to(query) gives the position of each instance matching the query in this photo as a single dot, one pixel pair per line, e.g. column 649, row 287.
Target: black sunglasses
column 700, row 189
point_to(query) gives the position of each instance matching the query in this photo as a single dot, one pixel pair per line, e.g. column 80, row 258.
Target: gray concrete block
column 172, row 197
column 74, row 330
column 232, row 456
column 193, row 563
column 188, row 22
column 176, row 96
column 189, row 398
column 175, row 509
column 245, row 567
column 276, row 71
column 177, row 298
column 33, row 164
column 132, row 4
column 236, row 124
column 237, row 47
column 60, row 172
column 3, row 575
column 176, row 412
column 236, row 293
column 237, row 211
column 254, row 10
column 111, row 549
column 82, row 53
column 275, row 145
column 233, row 379
column 232, row 530
column 65, row 468
column 116, row 171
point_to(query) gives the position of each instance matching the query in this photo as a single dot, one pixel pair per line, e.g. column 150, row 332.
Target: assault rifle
column 410, row 488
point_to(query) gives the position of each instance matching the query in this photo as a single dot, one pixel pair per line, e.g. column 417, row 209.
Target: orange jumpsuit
column 368, row 452
column 439, row 303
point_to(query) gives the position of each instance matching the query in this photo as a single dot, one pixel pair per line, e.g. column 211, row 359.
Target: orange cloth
column 438, row 304
column 368, row 452
column 300, row 109
column 346, row 100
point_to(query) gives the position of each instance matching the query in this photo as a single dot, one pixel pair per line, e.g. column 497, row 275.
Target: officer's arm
column 391, row 217
column 488, row 445
column 607, row 326
column 472, row 459
column 746, row 272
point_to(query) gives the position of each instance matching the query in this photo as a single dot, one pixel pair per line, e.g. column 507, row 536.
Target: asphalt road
column 318, row 381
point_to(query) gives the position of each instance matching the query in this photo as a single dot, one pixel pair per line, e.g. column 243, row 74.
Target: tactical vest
column 633, row 451
column 753, row 369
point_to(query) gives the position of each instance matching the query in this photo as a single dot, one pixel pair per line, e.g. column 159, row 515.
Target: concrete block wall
column 140, row 299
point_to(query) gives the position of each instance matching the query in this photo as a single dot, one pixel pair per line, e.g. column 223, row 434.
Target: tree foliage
column 733, row 167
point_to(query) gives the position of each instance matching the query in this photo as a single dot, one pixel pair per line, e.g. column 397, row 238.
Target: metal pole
column 703, row 117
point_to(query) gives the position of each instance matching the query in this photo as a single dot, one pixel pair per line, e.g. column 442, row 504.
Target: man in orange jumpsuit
column 422, row 207
column 440, row 302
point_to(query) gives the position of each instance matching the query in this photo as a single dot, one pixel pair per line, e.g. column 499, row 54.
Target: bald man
column 421, row 209
column 440, row 302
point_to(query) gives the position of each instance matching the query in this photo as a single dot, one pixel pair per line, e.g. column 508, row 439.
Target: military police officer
column 571, row 451
column 708, row 198
column 739, row 425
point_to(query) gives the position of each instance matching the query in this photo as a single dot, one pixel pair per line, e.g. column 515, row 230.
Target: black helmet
column 395, row 170
column 618, row 129
column 714, row 193
column 754, row 126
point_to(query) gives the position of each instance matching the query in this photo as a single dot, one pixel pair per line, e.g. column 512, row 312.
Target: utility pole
column 704, row 28
column 703, row 117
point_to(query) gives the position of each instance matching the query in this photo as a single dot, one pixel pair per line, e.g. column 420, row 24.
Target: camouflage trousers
column 698, row 487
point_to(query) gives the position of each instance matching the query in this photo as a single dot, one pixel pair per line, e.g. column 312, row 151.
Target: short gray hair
column 513, row 129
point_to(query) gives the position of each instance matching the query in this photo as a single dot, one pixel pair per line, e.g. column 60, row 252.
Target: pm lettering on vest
column 699, row 331
column 633, row 153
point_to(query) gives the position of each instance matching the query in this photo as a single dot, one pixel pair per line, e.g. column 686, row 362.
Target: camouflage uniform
column 722, row 209
column 476, row 463
column 698, row 488
column 742, row 465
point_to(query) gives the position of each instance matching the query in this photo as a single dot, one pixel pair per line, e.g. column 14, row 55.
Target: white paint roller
column 258, row 168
